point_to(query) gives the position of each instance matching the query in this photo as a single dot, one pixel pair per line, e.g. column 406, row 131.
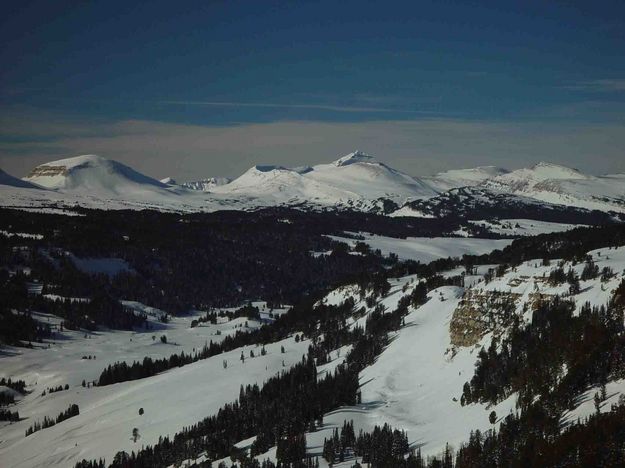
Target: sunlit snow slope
column 415, row 384
column 565, row 186
column 355, row 181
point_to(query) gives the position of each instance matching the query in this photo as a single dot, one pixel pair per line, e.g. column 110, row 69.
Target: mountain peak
column 355, row 157
column 268, row 168
column 547, row 164
column 456, row 178
column 76, row 161
column 90, row 173
column 547, row 170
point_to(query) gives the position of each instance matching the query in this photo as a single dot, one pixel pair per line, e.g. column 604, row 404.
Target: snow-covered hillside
column 417, row 381
column 426, row 249
column 523, row 227
column 480, row 203
column 415, row 384
column 276, row 185
column 206, row 185
column 457, row 178
column 91, row 173
column 561, row 185
column 9, row 181
column 108, row 414
column 94, row 182
column 362, row 174
column 356, row 181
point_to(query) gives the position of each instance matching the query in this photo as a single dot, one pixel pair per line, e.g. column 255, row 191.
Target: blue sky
column 84, row 76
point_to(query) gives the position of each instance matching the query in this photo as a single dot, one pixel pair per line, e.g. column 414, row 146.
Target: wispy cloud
column 326, row 107
column 598, row 86
column 360, row 103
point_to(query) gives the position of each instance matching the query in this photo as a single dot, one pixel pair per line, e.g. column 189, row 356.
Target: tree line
column 70, row 412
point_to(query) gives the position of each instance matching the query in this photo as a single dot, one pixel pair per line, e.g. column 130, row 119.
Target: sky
column 210, row 88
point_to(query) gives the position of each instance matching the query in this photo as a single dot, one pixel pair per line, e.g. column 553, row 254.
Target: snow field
column 426, row 249
column 171, row 400
column 415, row 384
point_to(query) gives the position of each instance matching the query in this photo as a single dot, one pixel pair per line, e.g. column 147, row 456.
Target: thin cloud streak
column 260, row 105
column 327, row 107
column 598, row 86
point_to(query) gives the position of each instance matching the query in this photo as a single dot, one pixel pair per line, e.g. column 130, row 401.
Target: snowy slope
column 481, row 203
column 415, row 384
column 530, row 278
column 360, row 173
column 356, row 179
column 22, row 194
column 279, row 185
column 108, row 414
column 91, row 173
column 426, row 249
column 562, row 185
column 9, row 181
column 19, row 193
column 95, row 182
column 523, row 227
column 206, row 185
column 457, row 178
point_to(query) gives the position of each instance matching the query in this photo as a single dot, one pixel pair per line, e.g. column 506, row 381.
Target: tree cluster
column 555, row 350
column 70, row 412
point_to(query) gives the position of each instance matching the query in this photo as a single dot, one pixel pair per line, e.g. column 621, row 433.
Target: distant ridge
column 355, row 181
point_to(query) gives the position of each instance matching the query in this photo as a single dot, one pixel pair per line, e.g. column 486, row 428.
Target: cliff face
column 48, row 171
column 481, row 312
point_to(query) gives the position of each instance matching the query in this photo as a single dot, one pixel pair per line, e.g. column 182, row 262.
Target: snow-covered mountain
column 95, row 182
column 362, row 174
column 92, row 174
column 206, row 185
column 456, row 178
column 561, row 185
column 480, row 203
column 356, row 181
column 279, row 183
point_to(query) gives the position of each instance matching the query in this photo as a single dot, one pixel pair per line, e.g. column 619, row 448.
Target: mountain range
column 429, row 331
column 356, row 181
